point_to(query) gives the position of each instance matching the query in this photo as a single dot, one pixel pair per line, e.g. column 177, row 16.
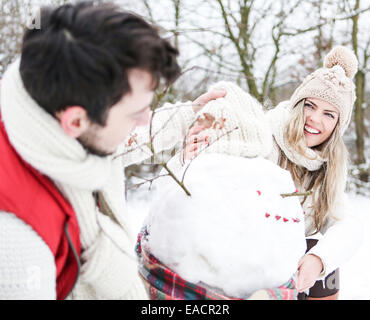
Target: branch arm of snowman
column 145, row 181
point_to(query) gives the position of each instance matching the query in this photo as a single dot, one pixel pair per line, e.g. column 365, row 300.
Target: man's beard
column 86, row 140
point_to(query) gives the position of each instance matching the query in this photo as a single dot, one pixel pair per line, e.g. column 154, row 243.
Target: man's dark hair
column 82, row 55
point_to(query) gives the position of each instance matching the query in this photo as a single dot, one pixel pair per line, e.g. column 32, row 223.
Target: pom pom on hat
column 343, row 57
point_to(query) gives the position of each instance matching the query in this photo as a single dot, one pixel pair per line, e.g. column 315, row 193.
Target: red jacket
column 33, row 198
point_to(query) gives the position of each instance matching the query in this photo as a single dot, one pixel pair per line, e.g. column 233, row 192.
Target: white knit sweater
column 109, row 264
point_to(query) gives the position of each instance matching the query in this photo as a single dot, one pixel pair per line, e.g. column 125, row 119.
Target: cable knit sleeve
column 342, row 236
column 27, row 268
column 169, row 125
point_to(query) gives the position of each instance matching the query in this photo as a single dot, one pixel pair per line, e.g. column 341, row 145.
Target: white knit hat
column 332, row 83
column 238, row 125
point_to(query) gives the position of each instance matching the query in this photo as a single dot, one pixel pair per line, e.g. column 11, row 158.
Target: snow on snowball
column 235, row 234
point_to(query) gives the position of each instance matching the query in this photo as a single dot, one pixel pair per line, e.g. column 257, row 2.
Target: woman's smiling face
column 321, row 118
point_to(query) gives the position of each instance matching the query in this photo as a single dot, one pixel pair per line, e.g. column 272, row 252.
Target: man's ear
column 74, row 121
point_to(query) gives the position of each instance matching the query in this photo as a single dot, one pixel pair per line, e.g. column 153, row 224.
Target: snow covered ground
column 354, row 275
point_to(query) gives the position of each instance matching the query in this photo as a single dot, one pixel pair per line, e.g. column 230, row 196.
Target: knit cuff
column 137, row 291
column 110, row 272
column 169, row 126
column 187, row 114
column 171, row 123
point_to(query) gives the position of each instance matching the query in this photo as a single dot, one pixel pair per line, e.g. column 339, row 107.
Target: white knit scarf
column 279, row 118
column 41, row 141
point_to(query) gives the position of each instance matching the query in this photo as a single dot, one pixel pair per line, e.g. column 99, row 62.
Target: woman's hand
column 194, row 141
column 196, row 138
column 309, row 269
column 202, row 100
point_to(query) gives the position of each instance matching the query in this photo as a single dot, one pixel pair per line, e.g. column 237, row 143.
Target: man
column 84, row 81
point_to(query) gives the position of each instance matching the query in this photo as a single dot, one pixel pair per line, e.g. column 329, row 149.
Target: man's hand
column 309, row 269
column 207, row 97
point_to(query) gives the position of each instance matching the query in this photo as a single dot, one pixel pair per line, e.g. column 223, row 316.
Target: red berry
column 267, row 215
column 286, row 220
column 277, row 217
column 259, row 192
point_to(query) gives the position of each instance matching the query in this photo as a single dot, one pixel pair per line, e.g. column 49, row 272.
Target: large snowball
column 235, row 233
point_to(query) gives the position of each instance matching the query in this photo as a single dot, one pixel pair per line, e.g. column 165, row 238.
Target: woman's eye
column 330, row 115
column 308, row 105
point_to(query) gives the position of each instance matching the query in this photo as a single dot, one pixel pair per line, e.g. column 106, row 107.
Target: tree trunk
column 359, row 124
column 360, row 94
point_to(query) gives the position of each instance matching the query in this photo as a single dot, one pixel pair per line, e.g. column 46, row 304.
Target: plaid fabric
column 164, row 284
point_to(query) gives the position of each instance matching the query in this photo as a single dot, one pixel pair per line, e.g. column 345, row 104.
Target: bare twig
column 163, row 164
column 296, row 194
column 300, row 31
column 180, row 183
column 150, row 181
column 207, row 146
column 140, row 146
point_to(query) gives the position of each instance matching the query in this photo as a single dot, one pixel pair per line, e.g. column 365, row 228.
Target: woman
column 307, row 133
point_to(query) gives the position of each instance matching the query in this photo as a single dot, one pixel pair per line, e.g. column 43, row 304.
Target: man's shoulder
column 24, row 259
column 14, row 228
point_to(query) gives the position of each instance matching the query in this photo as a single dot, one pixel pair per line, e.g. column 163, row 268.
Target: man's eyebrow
column 307, row 100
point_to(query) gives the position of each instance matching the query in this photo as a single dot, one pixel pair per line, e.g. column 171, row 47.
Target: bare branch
column 207, row 146
column 296, row 194
column 150, row 181
column 327, row 21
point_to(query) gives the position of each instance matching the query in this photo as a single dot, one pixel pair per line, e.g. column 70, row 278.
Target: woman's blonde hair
column 329, row 181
